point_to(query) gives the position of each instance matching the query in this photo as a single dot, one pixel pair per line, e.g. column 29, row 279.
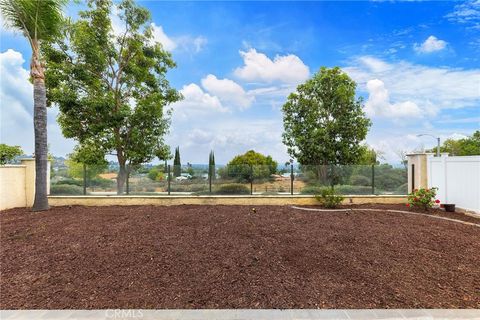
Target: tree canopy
column 251, row 165
column 8, row 153
column 111, row 88
column 469, row 146
column 323, row 121
column 86, row 157
column 369, row 155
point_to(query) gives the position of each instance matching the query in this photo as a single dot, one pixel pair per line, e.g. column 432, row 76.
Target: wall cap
column 13, row 166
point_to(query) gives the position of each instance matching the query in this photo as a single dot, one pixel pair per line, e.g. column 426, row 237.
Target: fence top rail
column 373, row 196
column 456, row 159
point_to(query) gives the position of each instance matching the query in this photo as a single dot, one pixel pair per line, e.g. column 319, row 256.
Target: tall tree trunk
column 40, row 127
column 121, row 178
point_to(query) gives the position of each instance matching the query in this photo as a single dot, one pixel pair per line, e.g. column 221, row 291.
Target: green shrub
column 341, row 189
column 155, row 174
column 101, row 183
column 188, row 187
column 403, row 189
column 232, row 188
column 150, row 189
column 329, row 198
column 65, row 189
column 311, row 190
column 358, row 180
column 72, row 182
column 352, row 190
column 422, row 198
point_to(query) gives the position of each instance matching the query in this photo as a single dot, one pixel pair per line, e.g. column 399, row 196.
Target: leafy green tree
column 469, row 146
column 211, row 165
column 163, row 154
column 8, row 153
column 38, row 21
column 177, row 165
column 155, row 174
column 111, row 89
column 86, row 159
column 251, row 165
column 369, row 156
column 323, row 121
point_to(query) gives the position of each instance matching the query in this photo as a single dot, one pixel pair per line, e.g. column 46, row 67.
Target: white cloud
column 378, row 103
column 185, row 43
column 190, row 44
column 259, row 67
column 196, row 103
column 228, row 91
column 16, row 108
column 374, row 64
column 430, row 88
column 160, row 36
column 467, row 13
column 432, row 44
column 228, row 136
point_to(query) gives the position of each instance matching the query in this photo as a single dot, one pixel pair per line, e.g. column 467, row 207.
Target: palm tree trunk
column 40, row 128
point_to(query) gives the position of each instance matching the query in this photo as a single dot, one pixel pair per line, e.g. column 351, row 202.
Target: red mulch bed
column 232, row 257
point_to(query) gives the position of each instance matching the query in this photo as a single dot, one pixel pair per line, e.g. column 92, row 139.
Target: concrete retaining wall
column 211, row 200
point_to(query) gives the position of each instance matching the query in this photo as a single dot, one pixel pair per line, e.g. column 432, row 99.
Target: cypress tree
column 177, row 166
column 211, row 165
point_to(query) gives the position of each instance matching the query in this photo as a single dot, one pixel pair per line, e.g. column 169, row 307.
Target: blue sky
column 416, row 64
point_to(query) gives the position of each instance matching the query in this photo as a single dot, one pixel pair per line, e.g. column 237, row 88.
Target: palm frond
column 36, row 19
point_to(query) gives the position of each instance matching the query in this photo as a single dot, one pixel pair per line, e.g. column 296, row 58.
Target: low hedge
column 72, row 182
column 353, row 190
column 232, row 188
column 358, row 180
column 65, row 189
column 341, row 189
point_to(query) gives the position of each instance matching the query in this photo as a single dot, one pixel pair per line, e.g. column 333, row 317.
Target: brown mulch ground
column 231, row 257
column 474, row 218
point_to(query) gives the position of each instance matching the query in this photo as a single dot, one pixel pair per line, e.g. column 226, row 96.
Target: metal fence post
column 291, row 179
column 251, row 179
column 373, row 179
column 84, row 179
column 413, row 177
column 128, row 184
column 168, row 179
column 210, row 173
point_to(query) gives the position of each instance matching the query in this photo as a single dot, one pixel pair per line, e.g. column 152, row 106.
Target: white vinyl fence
column 457, row 179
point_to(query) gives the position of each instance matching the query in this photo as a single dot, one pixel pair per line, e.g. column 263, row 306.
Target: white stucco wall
column 17, row 184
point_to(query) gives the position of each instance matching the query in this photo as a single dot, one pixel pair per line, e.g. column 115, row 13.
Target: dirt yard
column 233, row 257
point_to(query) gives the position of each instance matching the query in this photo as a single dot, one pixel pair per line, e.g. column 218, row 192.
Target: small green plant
column 422, row 198
column 329, row 198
